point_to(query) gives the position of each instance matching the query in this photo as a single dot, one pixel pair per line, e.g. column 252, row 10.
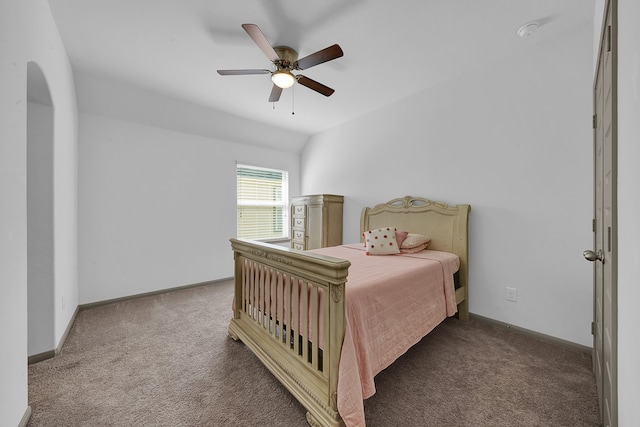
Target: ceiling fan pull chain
column 293, row 100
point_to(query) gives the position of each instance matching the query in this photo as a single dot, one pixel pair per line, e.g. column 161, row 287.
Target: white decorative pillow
column 400, row 236
column 381, row 241
column 414, row 240
column 414, row 250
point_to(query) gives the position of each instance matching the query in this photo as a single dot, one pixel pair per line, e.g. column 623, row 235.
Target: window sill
column 281, row 242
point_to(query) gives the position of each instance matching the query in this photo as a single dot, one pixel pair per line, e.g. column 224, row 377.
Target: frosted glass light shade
column 283, row 79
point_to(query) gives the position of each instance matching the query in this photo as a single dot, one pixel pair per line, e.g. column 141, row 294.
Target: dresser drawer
column 298, row 211
column 297, row 246
column 298, row 235
column 298, row 223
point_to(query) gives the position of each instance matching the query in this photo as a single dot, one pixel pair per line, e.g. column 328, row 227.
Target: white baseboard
column 67, row 331
column 35, row 358
column 53, row 353
column 25, row 418
column 146, row 294
column 548, row 338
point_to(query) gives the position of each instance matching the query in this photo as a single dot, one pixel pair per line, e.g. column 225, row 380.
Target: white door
column 605, row 226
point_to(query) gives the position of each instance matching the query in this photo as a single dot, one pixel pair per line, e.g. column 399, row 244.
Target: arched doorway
column 40, row 215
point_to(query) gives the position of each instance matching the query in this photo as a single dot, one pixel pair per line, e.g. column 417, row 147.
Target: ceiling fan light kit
column 285, row 61
column 283, row 79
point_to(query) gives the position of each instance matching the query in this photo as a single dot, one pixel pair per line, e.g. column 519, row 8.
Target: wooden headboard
column 447, row 226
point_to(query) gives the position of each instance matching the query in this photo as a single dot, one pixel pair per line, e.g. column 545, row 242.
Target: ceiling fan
column 286, row 60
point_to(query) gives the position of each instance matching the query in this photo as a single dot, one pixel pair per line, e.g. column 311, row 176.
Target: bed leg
column 233, row 335
column 313, row 422
column 463, row 311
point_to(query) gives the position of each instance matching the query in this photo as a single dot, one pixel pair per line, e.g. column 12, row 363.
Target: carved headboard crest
column 411, row 201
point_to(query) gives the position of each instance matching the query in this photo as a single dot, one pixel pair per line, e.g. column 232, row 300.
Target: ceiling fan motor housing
column 287, row 55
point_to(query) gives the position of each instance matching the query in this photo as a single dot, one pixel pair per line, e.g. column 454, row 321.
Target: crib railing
column 289, row 309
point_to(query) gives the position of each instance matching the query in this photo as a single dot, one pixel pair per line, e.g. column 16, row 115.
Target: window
column 263, row 196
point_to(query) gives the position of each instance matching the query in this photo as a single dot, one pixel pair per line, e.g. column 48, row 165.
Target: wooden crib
column 281, row 313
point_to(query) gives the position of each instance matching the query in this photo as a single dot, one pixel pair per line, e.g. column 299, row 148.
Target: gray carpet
column 166, row 360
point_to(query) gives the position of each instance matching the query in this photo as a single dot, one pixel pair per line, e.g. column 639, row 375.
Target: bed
column 298, row 311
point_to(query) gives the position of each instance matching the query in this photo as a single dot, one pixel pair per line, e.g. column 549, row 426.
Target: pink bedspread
column 391, row 303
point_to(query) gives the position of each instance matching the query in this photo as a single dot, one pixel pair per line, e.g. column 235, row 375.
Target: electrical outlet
column 512, row 294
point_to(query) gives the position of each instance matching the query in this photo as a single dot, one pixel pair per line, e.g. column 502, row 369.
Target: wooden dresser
column 316, row 221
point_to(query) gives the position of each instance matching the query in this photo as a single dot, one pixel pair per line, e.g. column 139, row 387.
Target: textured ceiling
column 391, row 49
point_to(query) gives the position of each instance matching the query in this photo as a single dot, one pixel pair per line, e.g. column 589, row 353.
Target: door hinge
column 595, row 121
column 609, row 38
column 593, row 225
column 593, row 328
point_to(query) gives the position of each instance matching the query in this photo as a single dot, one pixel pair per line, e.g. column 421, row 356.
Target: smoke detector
column 527, row 29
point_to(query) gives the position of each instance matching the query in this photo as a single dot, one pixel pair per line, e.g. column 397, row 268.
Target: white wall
column 514, row 141
column 110, row 97
column 157, row 207
column 28, row 33
column 628, row 208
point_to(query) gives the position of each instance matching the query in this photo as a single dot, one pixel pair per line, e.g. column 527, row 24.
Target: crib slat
column 325, row 332
column 268, row 276
column 256, row 291
column 273, row 302
column 246, row 273
column 273, row 288
column 314, row 327
column 279, row 305
column 261, row 296
column 295, row 297
column 243, row 281
column 256, row 283
column 263, row 273
column 266, row 297
column 251, row 281
column 304, row 329
column 289, row 313
column 249, row 285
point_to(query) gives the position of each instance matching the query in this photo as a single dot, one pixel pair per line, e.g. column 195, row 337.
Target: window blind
column 263, row 196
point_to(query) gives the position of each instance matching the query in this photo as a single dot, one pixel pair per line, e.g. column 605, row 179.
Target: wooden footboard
column 289, row 305
column 281, row 313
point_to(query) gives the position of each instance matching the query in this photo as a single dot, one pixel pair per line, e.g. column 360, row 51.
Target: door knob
column 592, row 256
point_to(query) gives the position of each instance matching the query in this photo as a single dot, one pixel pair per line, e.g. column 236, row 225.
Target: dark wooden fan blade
column 324, row 55
column 314, row 85
column 242, row 72
column 276, row 91
column 262, row 42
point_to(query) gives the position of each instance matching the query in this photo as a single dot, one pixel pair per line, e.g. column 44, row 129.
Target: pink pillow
column 381, row 241
column 400, row 236
column 413, row 240
column 417, row 249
